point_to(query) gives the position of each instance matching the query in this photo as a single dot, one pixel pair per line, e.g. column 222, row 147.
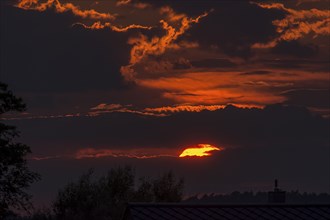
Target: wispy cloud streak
column 297, row 24
column 99, row 25
column 98, row 153
column 95, row 153
column 62, row 8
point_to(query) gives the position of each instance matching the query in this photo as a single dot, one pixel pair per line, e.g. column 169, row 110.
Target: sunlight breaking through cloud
column 202, row 150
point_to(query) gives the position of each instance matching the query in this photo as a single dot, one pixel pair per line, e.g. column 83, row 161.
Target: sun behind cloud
column 202, row 150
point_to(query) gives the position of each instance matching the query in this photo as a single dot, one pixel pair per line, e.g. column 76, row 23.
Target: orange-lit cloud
column 38, row 158
column 139, row 5
column 91, row 14
column 222, row 88
column 212, row 88
column 172, row 16
column 123, row 2
column 126, row 110
column 98, row 25
column 104, row 106
column 185, row 108
column 297, row 24
column 307, row 1
column 63, row 7
column 109, row 108
column 194, row 108
column 202, row 150
column 143, row 46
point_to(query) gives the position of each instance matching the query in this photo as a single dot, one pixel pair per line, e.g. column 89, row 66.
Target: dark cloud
column 249, row 24
column 318, row 98
column 230, row 127
column 296, row 49
column 194, row 8
column 53, row 56
column 59, row 68
column 258, row 72
column 297, row 64
column 214, row 63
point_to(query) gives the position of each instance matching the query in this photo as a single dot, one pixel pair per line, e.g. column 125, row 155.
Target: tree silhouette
column 77, row 200
column 107, row 197
column 15, row 177
column 168, row 189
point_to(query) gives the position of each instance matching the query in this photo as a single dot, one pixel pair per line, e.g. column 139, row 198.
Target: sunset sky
column 135, row 82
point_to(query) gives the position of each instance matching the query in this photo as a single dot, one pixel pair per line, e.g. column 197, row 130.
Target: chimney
column 276, row 196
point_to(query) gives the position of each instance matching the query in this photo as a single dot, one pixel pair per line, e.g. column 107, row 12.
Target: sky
column 110, row 83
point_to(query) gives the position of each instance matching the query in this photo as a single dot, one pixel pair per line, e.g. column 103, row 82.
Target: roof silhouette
column 174, row 211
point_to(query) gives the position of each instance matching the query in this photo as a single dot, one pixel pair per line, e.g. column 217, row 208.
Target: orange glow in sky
column 202, row 150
